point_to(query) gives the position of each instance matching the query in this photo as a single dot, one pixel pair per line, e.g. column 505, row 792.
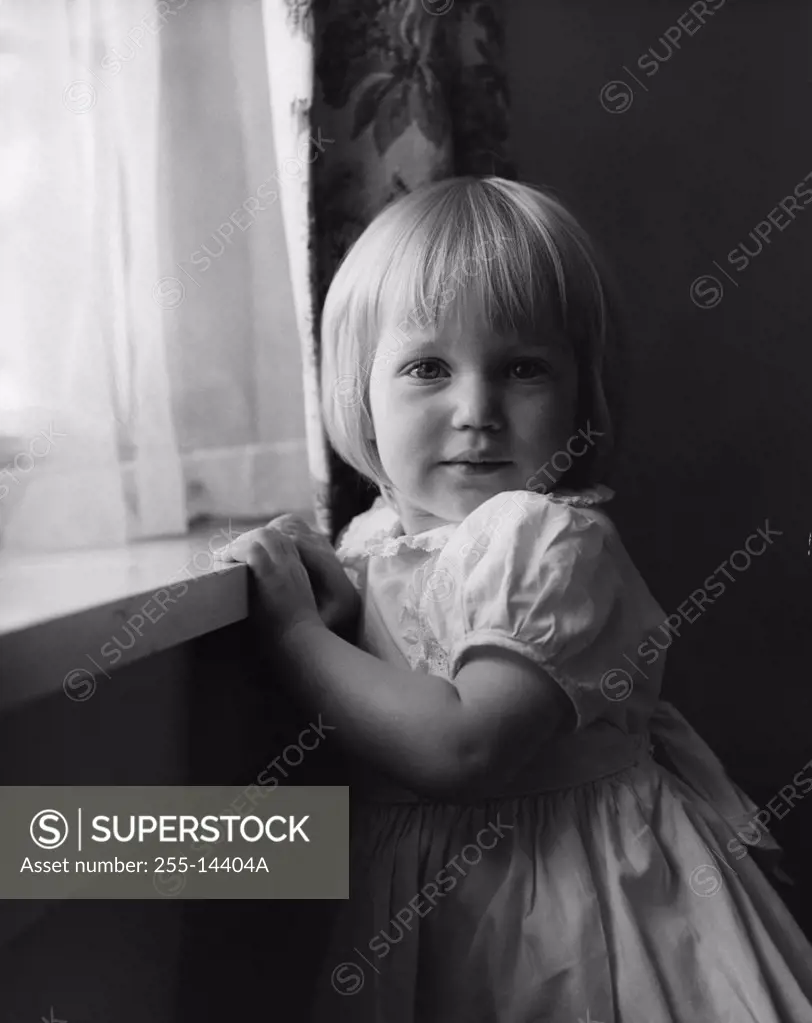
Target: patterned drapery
column 385, row 95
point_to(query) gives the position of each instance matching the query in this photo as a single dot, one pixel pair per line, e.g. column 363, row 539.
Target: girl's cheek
column 402, row 393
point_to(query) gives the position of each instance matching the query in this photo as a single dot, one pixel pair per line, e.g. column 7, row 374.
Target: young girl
column 536, row 837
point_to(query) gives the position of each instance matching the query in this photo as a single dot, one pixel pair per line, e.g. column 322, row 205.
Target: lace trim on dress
column 378, row 531
column 599, row 494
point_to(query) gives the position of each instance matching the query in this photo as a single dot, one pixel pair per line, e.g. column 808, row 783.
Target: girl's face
column 442, row 395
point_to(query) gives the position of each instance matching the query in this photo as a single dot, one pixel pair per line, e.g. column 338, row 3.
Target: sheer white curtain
column 149, row 357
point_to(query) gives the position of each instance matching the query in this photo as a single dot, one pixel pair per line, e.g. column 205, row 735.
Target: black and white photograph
column 405, row 511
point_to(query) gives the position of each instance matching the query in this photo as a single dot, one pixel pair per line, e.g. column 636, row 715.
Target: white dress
column 616, row 878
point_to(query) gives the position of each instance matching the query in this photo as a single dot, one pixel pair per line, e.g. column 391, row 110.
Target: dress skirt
column 609, row 893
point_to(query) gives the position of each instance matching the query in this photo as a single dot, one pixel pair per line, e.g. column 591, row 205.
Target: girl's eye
column 425, row 366
column 521, row 369
column 529, row 369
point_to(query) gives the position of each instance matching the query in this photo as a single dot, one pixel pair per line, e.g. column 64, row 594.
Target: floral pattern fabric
column 388, row 95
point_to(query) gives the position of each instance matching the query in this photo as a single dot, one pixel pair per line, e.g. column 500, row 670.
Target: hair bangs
column 473, row 256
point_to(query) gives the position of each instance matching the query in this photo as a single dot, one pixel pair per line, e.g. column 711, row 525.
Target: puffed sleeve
column 552, row 583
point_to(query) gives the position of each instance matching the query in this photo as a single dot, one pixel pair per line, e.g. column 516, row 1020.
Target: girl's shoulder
column 547, row 577
column 532, row 510
column 378, row 531
column 561, row 504
column 516, row 528
column 588, row 498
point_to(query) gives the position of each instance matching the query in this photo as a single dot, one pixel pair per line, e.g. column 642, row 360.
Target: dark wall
column 673, row 175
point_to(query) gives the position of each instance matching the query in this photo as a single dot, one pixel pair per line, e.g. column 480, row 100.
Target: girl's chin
column 455, row 503
column 468, row 501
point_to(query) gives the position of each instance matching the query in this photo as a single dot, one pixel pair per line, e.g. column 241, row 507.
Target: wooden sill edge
column 144, row 610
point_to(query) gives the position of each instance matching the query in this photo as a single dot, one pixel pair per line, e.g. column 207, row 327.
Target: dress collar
column 378, row 532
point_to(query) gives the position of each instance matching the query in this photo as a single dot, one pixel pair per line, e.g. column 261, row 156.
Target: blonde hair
column 530, row 259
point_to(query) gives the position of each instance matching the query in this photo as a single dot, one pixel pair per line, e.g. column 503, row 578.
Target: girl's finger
column 237, row 549
column 276, row 545
column 272, row 539
column 234, row 551
column 225, row 553
column 293, row 528
column 258, row 558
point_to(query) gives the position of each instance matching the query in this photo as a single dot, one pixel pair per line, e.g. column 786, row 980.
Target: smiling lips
column 478, row 466
column 476, row 458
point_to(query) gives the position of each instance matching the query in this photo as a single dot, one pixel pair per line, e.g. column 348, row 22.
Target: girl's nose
column 476, row 404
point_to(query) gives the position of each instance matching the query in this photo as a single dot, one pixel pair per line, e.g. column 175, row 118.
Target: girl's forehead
column 473, row 331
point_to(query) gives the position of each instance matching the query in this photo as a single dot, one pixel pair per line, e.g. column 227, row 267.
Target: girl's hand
column 281, row 585
column 337, row 599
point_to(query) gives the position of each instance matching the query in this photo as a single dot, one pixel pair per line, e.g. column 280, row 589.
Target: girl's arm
column 426, row 733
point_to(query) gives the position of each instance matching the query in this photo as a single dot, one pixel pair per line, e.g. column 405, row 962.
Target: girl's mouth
column 477, row 468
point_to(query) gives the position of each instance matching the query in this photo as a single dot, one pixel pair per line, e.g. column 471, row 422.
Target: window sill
column 67, row 618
